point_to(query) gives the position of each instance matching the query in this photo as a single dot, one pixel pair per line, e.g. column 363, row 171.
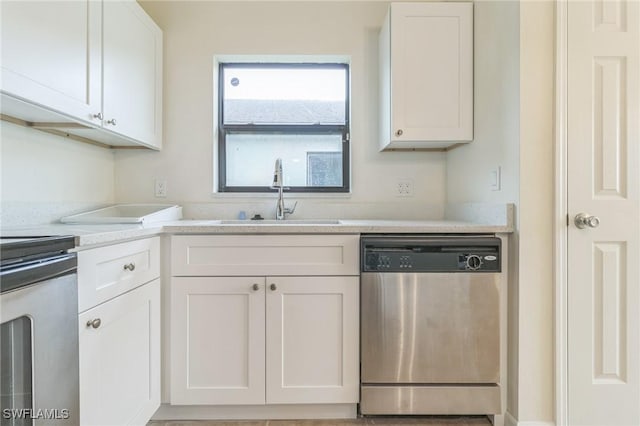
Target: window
column 296, row 112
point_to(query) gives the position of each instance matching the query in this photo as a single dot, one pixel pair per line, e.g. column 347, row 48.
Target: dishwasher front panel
column 430, row 328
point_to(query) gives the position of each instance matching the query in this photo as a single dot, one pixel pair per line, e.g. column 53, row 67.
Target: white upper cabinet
column 426, row 72
column 93, row 72
column 52, row 55
column 132, row 73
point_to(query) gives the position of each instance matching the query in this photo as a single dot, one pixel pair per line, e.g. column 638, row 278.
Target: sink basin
column 281, row 222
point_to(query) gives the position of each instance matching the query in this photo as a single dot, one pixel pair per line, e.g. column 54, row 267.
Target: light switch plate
column 495, row 179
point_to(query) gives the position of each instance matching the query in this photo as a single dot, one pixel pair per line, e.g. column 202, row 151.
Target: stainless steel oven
column 38, row 332
column 430, row 319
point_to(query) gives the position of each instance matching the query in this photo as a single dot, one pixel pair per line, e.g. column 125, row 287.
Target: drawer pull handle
column 130, row 267
column 95, row 323
column 255, row 287
column 273, row 287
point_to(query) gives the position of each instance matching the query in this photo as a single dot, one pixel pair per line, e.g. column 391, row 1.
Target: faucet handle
column 288, row 210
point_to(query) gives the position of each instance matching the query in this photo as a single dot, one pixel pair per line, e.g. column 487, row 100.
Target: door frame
column 561, row 215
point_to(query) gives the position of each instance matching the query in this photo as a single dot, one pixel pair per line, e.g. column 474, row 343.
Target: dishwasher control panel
column 395, row 253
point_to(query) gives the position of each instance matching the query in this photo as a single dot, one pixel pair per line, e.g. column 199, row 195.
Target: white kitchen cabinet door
column 312, row 340
column 217, row 340
column 106, row 272
column 426, row 71
column 132, row 73
column 52, row 55
column 120, row 359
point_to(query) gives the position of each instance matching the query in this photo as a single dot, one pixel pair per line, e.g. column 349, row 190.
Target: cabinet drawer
column 227, row 255
column 106, row 272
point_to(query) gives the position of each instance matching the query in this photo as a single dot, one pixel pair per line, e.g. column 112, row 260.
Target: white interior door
column 603, row 181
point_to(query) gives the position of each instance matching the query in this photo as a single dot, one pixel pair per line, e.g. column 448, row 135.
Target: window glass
column 284, row 95
column 296, row 112
column 251, row 159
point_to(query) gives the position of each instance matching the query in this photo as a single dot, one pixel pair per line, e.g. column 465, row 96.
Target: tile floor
column 384, row 421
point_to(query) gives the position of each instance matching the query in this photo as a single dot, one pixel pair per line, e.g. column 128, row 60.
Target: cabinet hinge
column 347, row 137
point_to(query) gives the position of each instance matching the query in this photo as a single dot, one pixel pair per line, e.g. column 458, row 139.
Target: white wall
column 44, row 177
column 496, row 110
column 536, row 348
column 514, row 130
column 496, row 140
column 196, row 31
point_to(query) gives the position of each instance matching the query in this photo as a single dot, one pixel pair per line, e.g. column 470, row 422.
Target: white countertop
column 461, row 219
column 86, row 235
column 90, row 235
column 343, row 227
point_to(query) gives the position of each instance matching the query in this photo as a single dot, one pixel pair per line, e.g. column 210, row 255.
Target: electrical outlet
column 404, row 188
column 161, row 188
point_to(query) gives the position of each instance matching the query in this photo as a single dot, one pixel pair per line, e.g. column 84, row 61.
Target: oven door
column 39, row 354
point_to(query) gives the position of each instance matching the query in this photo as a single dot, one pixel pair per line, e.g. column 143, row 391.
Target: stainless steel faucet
column 278, row 182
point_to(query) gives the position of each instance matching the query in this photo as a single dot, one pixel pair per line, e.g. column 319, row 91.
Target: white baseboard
column 509, row 420
column 250, row 412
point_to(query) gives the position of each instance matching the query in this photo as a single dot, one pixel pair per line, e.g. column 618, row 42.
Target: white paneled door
column 603, row 141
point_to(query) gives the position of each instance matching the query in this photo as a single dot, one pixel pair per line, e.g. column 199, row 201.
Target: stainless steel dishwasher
column 430, row 318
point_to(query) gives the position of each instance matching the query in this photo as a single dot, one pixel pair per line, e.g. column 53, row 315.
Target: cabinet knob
column 399, row 132
column 112, row 122
column 255, row 287
column 273, row 287
column 98, row 116
column 130, row 267
column 95, row 323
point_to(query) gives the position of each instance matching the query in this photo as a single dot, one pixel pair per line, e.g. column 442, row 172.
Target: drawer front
column 106, row 272
column 228, row 255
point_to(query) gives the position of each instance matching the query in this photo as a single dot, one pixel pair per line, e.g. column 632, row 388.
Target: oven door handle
column 38, row 271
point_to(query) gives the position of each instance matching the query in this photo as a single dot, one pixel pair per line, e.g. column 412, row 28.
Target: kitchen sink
column 281, row 222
